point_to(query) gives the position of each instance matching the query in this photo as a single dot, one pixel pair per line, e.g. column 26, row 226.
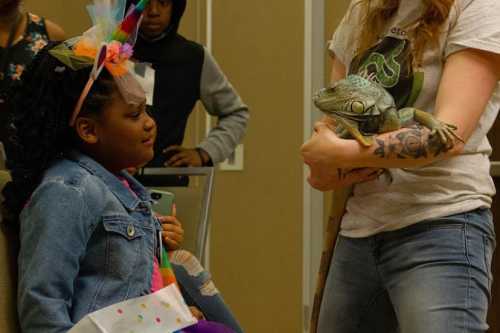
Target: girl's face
column 124, row 135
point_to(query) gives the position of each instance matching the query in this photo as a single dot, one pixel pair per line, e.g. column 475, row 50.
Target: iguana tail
column 339, row 202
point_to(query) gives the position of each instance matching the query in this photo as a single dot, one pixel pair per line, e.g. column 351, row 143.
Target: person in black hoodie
column 186, row 72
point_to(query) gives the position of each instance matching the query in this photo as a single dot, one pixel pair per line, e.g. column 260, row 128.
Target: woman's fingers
column 359, row 175
column 320, row 125
column 336, row 179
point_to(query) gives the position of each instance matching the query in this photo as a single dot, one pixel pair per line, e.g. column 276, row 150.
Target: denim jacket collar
column 126, row 197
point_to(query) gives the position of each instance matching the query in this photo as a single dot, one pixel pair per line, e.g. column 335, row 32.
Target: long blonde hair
column 426, row 31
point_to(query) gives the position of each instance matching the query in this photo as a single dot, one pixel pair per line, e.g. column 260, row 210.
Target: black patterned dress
column 20, row 55
column 23, row 51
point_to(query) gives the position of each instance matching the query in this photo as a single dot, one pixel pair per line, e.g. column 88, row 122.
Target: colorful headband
column 109, row 43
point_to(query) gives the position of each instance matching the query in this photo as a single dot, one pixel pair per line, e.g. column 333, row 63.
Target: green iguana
column 361, row 109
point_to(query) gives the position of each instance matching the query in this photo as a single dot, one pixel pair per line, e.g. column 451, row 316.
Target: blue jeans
column 431, row 277
column 199, row 290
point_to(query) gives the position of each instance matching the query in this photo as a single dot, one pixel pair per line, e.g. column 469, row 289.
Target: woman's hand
column 173, row 234
column 326, row 154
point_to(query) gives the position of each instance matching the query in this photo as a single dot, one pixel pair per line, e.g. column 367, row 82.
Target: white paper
column 162, row 312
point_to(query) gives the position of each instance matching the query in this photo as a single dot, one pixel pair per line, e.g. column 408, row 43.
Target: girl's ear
column 86, row 128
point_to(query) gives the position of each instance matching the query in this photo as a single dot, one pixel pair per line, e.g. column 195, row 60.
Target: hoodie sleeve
column 221, row 100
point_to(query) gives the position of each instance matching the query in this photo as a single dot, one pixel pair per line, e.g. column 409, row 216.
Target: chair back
column 9, row 243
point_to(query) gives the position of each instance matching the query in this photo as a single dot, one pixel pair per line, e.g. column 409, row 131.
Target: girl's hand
column 326, row 155
column 196, row 313
column 173, row 234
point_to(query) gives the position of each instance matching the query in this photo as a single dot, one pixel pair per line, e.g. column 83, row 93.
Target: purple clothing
column 204, row 326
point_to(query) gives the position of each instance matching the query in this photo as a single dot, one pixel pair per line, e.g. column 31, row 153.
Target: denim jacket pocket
column 126, row 244
column 122, row 225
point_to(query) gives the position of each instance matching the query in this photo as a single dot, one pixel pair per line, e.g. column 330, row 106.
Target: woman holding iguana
column 416, row 242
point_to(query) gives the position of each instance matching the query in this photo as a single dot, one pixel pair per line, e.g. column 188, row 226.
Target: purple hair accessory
column 127, row 50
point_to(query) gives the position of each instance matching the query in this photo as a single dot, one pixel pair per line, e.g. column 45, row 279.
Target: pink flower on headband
column 113, row 52
column 118, row 53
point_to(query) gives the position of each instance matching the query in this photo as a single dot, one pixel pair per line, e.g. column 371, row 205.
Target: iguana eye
column 357, row 107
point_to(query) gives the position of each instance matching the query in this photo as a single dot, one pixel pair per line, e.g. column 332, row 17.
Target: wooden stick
column 337, row 210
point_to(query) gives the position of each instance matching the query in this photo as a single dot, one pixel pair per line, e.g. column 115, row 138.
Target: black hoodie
column 178, row 64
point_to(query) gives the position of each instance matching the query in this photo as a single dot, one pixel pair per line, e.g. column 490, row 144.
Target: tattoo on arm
column 413, row 143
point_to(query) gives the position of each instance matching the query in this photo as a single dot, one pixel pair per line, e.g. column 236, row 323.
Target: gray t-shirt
column 402, row 197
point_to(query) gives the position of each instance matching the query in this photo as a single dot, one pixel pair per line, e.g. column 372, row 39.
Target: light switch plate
column 235, row 161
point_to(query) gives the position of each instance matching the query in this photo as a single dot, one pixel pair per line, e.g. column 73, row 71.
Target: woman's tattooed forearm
column 413, row 143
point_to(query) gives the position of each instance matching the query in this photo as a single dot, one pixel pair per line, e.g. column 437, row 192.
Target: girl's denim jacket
column 86, row 242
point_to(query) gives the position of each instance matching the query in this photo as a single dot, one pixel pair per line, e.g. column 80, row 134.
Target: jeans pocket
column 446, row 225
column 489, row 248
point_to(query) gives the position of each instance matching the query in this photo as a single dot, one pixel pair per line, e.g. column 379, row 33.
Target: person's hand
column 196, row 313
column 173, row 233
column 132, row 170
column 323, row 154
column 329, row 122
column 181, row 156
column 339, row 178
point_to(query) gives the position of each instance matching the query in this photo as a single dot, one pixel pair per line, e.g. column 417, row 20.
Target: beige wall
column 257, row 220
column 334, row 11
column 71, row 15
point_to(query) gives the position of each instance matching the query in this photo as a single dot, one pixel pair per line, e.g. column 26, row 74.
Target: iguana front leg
column 352, row 128
column 446, row 132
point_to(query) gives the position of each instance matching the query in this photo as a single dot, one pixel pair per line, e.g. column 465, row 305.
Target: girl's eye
column 139, row 111
column 135, row 114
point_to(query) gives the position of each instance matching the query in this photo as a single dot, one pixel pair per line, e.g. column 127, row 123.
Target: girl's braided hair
column 40, row 110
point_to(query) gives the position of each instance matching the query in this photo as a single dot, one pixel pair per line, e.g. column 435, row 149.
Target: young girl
column 88, row 235
column 87, row 241
column 416, row 243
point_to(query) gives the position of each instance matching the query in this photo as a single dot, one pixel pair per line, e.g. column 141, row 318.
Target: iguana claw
column 446, row 133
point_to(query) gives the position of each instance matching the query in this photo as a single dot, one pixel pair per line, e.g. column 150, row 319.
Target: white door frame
column 314, row 74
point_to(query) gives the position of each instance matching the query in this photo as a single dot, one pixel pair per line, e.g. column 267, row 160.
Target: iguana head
column 354, row 98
